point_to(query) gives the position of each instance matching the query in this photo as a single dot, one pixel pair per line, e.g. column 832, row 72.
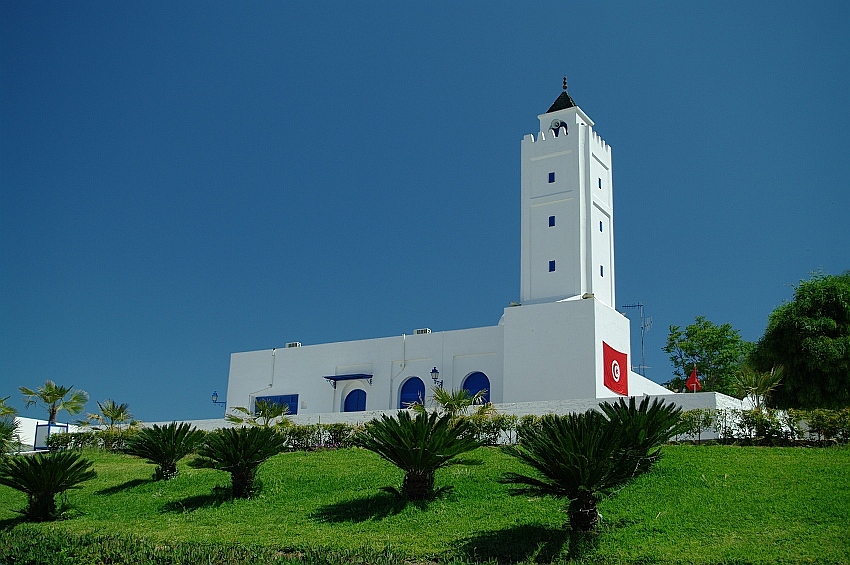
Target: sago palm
column 42, row 476
column 56, row 398
column 418, row 446
column 240, row 451
column 164, row 446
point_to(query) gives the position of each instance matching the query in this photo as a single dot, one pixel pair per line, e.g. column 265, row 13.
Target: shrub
column 42, row 477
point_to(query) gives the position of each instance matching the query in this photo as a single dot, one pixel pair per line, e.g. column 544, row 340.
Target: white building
column 565, row 341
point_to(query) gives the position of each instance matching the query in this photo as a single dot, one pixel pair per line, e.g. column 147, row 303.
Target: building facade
column 564, row 341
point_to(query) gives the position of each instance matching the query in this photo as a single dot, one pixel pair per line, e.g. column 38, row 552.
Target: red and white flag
column 692, row 384
column 616, row 370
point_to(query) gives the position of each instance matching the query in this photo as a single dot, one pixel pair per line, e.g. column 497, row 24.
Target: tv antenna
column 645, row 325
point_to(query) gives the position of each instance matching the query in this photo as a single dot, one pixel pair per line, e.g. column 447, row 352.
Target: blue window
column 551, row 266
column 600, row 182
column 355, row 401
column 551, row 221
column 600, row 225
column 477, row 382
column 551, row 177
column 412, row 391
column 601, row 271
column 288, row 400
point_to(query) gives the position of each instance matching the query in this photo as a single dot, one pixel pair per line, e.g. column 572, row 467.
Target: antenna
column 645, row 325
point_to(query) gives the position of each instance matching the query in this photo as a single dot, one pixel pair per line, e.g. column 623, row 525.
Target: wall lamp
column 435, row 374
column 215, row 399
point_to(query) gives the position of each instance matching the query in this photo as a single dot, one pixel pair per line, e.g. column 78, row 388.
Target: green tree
column 418, row 446
column 112, row 415
column 457, row 402
column 8, row 434
column 5, row 409
column 717, row 351
column 42, row 476
column 810, row 337
column 56, row 398
column 239, row 451
column 757, row 385
column 164, row 446
column 583, row 457
column 265, row 412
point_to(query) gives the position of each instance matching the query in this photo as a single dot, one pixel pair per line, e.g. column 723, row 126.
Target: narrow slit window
column 551, row 177
column 552, row 266
column 600, row 182
column 600, row 225
column 601, row 271
column 551, row 221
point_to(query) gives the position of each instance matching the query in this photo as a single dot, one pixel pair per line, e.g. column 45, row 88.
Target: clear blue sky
column 180, row 181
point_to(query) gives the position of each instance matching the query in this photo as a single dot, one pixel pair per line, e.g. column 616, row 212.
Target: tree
column 583, row 457
column 717, row 351
column 456, row 402
column 6, row 410
column 56, row 398
column 810, row 337
column 757, row 385
column 239, row 451
column 112, row 415
column 42, row 477
column 265, row 412
column 418, row 446
column 164, row 446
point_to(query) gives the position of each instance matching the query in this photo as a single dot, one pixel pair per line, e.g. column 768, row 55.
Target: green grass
column 702, row 504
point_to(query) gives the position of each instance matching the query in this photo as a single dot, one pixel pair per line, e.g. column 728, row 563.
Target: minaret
column 567, row 209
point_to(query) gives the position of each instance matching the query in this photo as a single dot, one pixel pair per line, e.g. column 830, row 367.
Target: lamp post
column 215, row 399
column 435, row 374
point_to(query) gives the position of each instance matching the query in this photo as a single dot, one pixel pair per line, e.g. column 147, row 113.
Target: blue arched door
column 355, row 401
column 413, row 390
column 477, row 381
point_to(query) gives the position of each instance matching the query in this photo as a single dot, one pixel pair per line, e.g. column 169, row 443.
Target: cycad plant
column 239, row 451
column 164, row 446
column 42, row 476
column 418, row 446
column 583, row 457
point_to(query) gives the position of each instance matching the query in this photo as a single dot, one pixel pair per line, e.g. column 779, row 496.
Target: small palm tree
column 265, row 412
column 42, row 477
column 112, row 415
column 457, row 402
column 583, row 457
column 56, row 398
column 239, row 451
column 8, row 434
column 418, row 446
column 164, row 446
column 758, row 385
column 6, row 410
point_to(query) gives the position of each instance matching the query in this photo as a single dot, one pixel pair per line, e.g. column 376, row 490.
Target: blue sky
column 180, row 181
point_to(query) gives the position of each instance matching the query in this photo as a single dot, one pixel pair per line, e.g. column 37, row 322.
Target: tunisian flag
column 616, row 370
column 692, row 384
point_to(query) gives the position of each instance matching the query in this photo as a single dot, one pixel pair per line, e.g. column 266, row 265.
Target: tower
column 567, row 209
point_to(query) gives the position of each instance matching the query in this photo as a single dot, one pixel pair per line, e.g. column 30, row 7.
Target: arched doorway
column 413, row 390
column 355, row 401
column 475, row 382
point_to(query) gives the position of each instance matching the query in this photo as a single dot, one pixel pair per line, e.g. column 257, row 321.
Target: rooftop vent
column 421, row 331
column 293, row 344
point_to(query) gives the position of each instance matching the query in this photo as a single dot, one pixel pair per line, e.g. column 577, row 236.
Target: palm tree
column 6, row 410
column 456, row 402
column 758, row 385
column 56, row 398
column 583, row 457
column 164, row 446
column 418, row 446
column 42, row 477
column 112, row 415
column 239, row 451
column 265, row 412
column 8, row 433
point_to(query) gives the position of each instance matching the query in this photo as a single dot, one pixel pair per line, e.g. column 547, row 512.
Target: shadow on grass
column 123, row 486
column 375, row 507
column 10, row 523
column 217, row 497
column 536, row 544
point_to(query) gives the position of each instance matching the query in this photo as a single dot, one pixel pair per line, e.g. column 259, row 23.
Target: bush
column 301, row 438
column 164, row 446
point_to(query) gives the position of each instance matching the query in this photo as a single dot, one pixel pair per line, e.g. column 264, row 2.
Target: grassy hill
column 702, row 504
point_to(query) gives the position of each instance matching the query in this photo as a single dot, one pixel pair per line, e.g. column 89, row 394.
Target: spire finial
column 565, row 83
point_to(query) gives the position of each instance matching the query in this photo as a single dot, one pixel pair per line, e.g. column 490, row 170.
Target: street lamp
column 435, row 374
column 215, row 399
